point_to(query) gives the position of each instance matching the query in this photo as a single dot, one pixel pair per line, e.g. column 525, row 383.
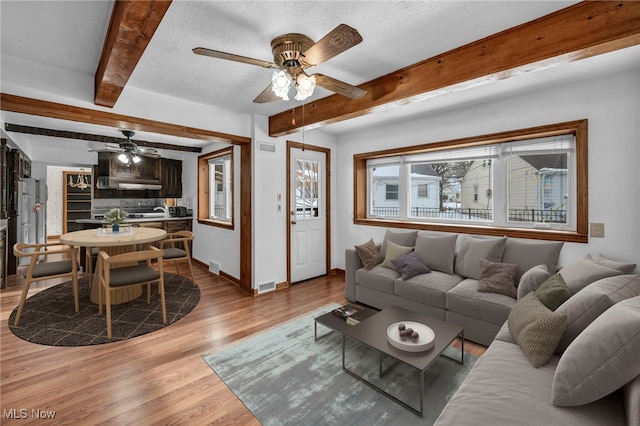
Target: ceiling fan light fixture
column 280, row 84
column 123, row 158
column 136, row 159
column 304, row 86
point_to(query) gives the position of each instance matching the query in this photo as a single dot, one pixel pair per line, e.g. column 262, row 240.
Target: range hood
column 109, row 182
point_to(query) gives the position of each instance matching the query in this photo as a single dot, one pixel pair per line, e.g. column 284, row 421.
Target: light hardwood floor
column 159, row 378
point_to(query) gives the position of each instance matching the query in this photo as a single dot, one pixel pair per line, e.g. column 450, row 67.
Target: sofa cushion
column 589, row 303
column 553, row 292
column 409, row 265
column 393, row 252
column 602, row 359
column 378, row 278
column 536, row 328
column 527, row 254
column 583, row 271
column 401, row 238
column 625, row 268
column 497, row 278
column 504, row 389
column 437, row 252
column 369, row 254
column 429, row 289
column 465, row 299
column 472, row 250
column 532, row 279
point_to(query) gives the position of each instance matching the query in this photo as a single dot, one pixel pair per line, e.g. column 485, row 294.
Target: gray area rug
column 49, row 317
column 284, row 377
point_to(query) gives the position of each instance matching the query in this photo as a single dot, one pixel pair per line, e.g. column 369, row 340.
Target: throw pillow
column 409, row 265
column 602, row 359
column 535, row 328
column 532, row 279
column 589, row 303
column 583, row 271
column 437, row 252
column 497, row 278
column 527, row 254
column 403, row 238
column 369, row 254
column 625, row 268
column 394, row 251
column 474, row 249
column 553, row 292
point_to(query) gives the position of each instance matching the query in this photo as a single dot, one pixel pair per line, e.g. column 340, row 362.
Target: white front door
column 307, row 214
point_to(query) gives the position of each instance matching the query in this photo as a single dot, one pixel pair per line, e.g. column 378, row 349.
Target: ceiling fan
column 130, row 152
column 293, row 54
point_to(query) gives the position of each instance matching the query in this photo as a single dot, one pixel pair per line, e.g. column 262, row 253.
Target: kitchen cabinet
column 76, row 201
column 4, row 179
column 171, row 178
column 3, row 257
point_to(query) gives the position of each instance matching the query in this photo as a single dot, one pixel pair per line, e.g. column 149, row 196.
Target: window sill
column 216, row 223
column 532, row 234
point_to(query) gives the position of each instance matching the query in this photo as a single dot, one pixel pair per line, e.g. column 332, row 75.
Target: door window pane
column 307, row 187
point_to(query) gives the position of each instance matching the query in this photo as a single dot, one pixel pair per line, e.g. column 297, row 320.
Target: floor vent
column 214, row 267
column 265, row 287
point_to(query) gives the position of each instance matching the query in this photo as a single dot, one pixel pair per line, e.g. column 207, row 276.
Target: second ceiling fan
column 292, row 55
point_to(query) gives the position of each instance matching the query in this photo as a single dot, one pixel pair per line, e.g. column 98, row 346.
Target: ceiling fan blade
column 148, row 154
column 266, row 96
column 342, row 37
column 231, row 57
column 339, row 87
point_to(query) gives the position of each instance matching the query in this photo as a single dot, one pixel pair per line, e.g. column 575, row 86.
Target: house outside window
column 216, row 173
column 527, row 181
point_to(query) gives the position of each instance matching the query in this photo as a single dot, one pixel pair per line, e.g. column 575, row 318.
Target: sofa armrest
column 352, row 263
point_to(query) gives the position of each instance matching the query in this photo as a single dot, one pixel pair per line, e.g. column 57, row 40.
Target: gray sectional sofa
column 450, row 291
column 574, row 363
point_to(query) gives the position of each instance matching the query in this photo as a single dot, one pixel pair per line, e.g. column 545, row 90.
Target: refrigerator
column 32, row 212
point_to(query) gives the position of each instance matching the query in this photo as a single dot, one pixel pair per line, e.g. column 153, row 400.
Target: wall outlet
column 597, row 230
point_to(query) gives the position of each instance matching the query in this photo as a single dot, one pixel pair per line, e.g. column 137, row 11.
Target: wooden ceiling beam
column 42, row 108
column 580, row 31
column 131, row 28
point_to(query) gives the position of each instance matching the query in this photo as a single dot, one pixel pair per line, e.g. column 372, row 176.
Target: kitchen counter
column 138, row 220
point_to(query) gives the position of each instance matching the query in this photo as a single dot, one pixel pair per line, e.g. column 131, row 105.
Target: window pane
column 384, row 200
column 307, row 189
column 538, row 188
column 220, row 186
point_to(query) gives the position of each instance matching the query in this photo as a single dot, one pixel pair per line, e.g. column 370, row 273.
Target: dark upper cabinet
column 171, row 178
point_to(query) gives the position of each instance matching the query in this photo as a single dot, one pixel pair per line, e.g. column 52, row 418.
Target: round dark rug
column 49, row 317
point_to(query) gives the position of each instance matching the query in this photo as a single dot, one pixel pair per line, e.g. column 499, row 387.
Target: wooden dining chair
column 126, row 270
column 175, row 247
column 38, row 271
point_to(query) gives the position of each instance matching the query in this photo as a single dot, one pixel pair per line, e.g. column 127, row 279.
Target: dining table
column 127, row 239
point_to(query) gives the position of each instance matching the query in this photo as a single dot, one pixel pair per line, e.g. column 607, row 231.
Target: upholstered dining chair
column 38, row 271
column 126, row 270
column 175, row 247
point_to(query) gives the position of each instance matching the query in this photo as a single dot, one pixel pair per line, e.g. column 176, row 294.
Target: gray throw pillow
column 535, row 328
column 589, row 303
column 472, row 250
column 527, row 254
column 402, row 238
column 394, row 251
column 497, row 278
column 532, row 279
column 369, row 255
column 437, row 252
column 602, row 359
column 409, row 265
column 583, row 271
column 625, row 268
column 553, row 292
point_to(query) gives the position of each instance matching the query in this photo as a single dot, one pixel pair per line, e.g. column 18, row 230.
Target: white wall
column 612, row 106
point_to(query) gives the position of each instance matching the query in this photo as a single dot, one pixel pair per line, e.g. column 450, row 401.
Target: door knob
column 293, row 212
column 293, row 222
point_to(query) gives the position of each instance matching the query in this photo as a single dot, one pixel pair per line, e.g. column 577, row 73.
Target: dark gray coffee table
column 372, row 332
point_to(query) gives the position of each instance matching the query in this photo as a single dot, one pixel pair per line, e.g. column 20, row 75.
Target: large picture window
column 528, row 183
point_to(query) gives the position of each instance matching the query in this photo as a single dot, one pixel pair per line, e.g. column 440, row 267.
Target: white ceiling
column 70, row 34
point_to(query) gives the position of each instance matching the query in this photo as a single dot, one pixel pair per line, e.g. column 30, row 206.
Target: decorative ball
column 403, row 335
column 409, row 331
column 415, row 336
column 401, row 327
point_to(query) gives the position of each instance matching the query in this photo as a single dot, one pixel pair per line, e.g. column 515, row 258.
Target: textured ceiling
column 70, row 34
